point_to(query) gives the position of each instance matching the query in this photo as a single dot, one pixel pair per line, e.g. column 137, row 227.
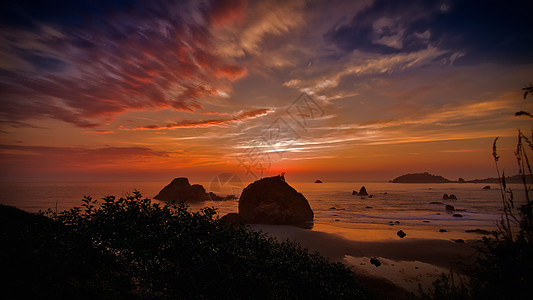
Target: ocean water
column 393, row 206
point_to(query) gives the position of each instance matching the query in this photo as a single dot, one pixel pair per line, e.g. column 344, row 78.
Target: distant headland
column 429, row 178
column 420, row 178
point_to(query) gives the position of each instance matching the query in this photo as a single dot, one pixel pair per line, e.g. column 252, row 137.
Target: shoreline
column 406, row 262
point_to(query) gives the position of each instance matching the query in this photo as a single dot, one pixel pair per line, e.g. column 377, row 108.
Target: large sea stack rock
column 271, row 200
column 181, row 190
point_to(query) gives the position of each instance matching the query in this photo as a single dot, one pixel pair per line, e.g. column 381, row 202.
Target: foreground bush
column 131, row 247
column 504, row 266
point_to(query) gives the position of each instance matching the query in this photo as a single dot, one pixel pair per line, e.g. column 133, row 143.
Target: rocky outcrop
column 181, row 190
column 508, row 179
column 480, row 231
column 318, row 181
column 375, row 261
column 451, row 196
column 362, row 191
column 271, row 200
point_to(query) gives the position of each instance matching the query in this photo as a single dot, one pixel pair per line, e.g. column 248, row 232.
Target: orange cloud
column 233, row 73
column 99, row 131
column 206, row 123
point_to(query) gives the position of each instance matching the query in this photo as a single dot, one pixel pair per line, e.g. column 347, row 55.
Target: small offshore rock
column 362, row 191
column 480, row 231
column 442, row 230
column 318, row 181
column 458, row 215
column 452, row 197
column 401, row 234
column 375, row 262
column 487, row 187
column 450, row 208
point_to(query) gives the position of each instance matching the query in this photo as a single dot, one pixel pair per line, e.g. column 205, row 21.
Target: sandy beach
column 406, row 262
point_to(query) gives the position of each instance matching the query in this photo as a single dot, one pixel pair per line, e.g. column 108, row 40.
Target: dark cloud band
column 481, row 31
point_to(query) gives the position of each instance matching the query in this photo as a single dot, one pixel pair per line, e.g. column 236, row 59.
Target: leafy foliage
column 135, row 248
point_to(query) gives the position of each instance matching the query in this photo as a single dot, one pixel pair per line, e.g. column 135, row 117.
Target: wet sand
column 406, row 262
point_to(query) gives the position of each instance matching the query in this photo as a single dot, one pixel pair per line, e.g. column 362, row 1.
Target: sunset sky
column 336, row 90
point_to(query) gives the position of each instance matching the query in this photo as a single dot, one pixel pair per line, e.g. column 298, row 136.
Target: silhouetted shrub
column 133, row 247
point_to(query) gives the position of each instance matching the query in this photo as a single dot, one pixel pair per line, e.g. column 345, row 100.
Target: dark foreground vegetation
column 504, row 267
column 133, row 248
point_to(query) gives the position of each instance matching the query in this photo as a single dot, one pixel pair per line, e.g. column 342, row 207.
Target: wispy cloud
column 263, row 18
column 160, row 55
column 99, row 131
column 206, row 123
column 70, row 156
column 361, row 64
column 448, row 115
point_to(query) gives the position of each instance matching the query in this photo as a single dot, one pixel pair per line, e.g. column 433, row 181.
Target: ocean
column 417, row 209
